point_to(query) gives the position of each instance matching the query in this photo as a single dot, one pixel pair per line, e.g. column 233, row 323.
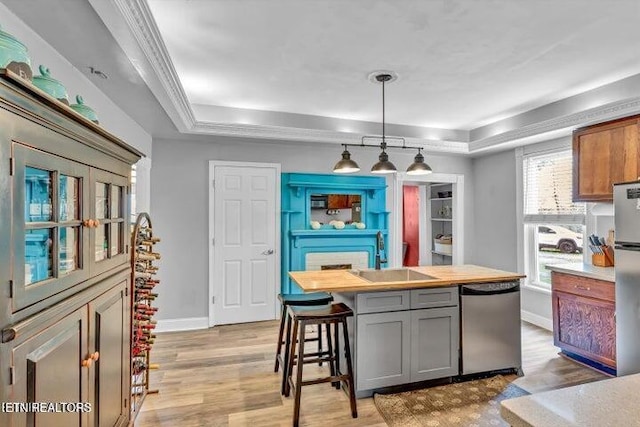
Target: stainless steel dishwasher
column 491, row 338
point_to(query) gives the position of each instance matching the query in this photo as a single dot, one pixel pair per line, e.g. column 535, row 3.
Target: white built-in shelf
column 441, row 253
column 442, row 219
column 441, row 198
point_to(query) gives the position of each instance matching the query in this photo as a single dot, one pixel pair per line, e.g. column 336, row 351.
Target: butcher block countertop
column 444, row 275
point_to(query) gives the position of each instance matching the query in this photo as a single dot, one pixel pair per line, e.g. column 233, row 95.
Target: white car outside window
column 559, row 238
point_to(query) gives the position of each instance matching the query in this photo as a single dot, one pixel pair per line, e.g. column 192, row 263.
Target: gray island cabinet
column 404, row 336
column 408, row 322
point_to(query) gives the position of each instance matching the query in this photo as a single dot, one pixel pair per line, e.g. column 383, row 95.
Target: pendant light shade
column 419, row 167
column 384, row 165
column 346, row 165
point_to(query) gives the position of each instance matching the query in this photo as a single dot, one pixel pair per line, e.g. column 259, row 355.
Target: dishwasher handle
column 490, row 289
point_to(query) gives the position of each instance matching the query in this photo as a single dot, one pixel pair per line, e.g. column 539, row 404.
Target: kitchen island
column 407, row 323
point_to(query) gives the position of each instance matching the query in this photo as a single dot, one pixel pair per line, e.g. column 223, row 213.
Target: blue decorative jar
column 84, row 110
column 50, row 85
column 14, row 56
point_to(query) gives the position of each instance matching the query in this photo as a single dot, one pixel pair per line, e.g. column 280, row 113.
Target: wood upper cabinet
column 584, row 317
column 342, row 201
column 605, row 154
column 338, row 201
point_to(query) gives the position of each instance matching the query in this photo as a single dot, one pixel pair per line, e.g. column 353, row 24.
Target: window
column 554, row 224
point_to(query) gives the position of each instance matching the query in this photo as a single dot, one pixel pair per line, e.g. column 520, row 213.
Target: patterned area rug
column 468, row 404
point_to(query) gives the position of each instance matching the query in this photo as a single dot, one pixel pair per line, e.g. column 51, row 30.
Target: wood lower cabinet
column 605, row 154
column 80, row 358
column 584, row 317
column 109, row 336
column 47, row 367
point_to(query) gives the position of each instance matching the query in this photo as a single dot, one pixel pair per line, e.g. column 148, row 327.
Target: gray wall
column 179, row 203
column 494, row 212
column 496, row 227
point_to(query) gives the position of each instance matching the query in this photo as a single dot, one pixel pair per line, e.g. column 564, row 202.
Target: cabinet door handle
column 584, row 288
column 87, row 223
column 96, row 223
column 95, row 356
column 86, row 363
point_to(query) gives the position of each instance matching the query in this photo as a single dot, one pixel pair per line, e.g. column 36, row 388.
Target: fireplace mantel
column 299, row 239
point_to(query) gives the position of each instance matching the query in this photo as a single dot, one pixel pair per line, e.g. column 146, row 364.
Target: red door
column 410, row 225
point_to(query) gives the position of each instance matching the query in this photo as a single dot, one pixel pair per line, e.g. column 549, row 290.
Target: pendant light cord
column 383, row 140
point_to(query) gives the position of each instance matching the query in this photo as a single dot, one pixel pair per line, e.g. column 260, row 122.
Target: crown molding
column 314, row 135
column 601, row 113
column 142, row 25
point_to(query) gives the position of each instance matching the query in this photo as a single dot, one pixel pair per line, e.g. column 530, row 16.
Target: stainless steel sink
column 391, row 275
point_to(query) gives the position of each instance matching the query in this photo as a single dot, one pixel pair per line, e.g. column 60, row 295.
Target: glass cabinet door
column 48, row 205
column 110, row 207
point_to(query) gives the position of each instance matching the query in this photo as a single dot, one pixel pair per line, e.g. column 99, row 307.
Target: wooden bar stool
column 335, row 314
column 302, row 300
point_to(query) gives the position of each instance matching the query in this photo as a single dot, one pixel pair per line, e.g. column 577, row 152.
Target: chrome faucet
column 379, row 247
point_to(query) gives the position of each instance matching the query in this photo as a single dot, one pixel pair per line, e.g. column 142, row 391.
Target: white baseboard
column 186, row 324
column 537, row 320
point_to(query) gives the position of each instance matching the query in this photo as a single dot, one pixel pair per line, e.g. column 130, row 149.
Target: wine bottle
column 142, row 275
column 147, row 256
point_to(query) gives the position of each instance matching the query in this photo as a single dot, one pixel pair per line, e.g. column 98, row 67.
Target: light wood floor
column 224, row 377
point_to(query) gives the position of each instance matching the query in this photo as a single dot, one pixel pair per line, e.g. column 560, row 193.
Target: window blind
column 548, row 189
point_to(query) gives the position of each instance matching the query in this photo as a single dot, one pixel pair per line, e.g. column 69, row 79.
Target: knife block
column 603, row 260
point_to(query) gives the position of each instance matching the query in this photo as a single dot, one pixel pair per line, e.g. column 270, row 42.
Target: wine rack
column 143, row 258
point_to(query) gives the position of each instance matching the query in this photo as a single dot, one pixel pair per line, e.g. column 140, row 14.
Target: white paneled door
column 244, row 242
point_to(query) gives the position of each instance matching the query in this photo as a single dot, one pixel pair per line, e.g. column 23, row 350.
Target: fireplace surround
column 299, row 239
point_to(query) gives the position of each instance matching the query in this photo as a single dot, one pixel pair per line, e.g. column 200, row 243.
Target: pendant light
column 346, row 165
column 383, row 166
column 419, row 167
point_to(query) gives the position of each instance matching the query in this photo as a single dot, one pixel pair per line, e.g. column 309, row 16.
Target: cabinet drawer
column 583, row 286
column 377, row 302
column 434, row 297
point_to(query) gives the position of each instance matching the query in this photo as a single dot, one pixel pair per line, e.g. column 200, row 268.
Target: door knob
column 267, row 252
column 86, row 363
column 95, row 356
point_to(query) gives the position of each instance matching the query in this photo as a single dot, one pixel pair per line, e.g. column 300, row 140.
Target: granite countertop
column 585, row 270
column 607, row 403
column 443, row 275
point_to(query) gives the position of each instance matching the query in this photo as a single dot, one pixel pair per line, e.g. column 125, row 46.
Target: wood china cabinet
column 64, row 263
column 584, row 321
column 605, row 154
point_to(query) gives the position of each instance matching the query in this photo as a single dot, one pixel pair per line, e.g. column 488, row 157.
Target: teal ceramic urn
column 50, row 85
column 14, row 56
column 84, row 110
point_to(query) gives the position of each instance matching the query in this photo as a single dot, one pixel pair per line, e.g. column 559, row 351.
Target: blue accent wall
column 299, row 239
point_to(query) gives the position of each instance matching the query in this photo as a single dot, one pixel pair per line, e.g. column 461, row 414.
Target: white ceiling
column 462, row 64
column 475, row 75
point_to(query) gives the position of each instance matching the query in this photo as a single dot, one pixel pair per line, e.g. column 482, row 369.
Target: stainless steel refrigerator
column 627, row 258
